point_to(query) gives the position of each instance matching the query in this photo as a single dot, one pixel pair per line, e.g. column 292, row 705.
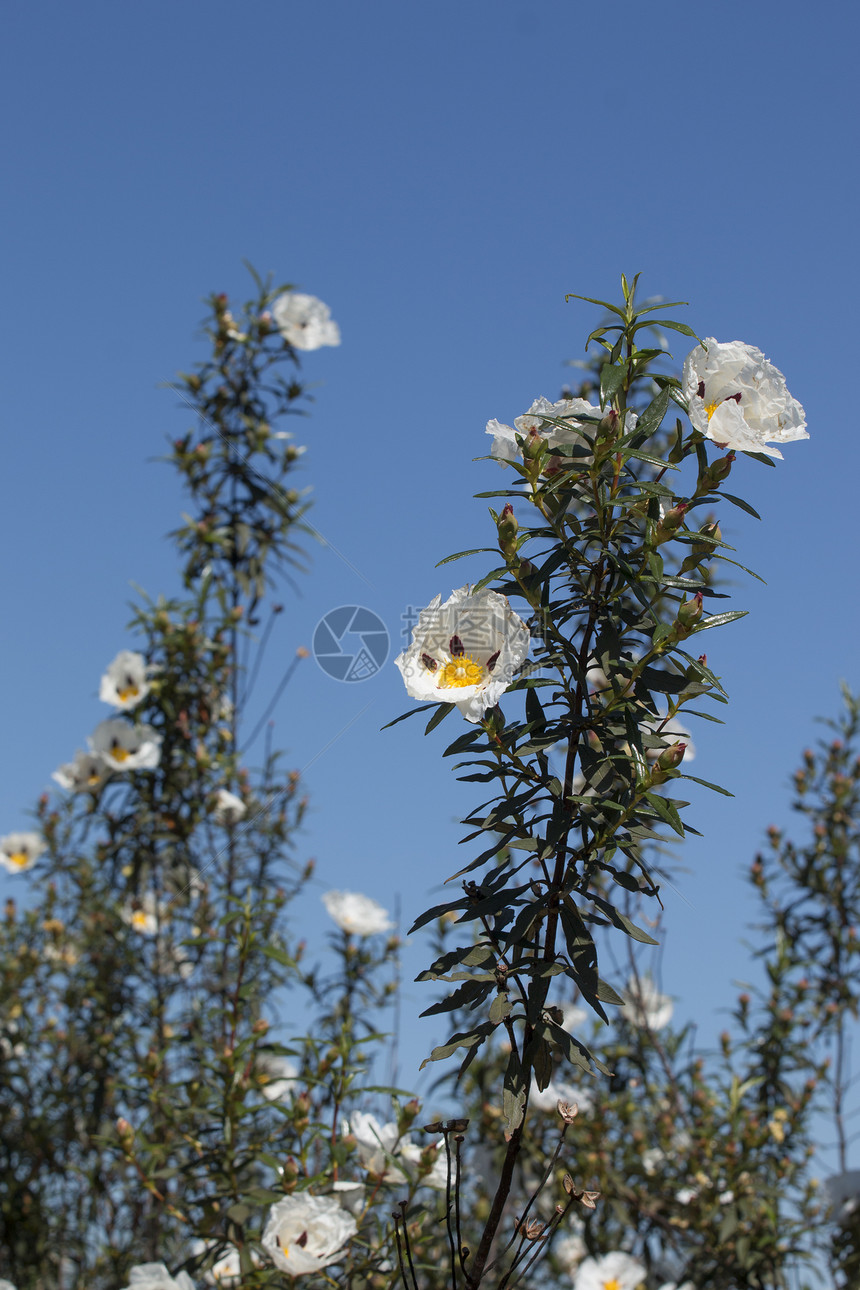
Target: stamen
column 461, row 671
column 129, row 691
column 19, row 858
column 118, row 752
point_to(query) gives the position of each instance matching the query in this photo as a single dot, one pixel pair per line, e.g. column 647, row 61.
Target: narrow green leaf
column 481, row 550
column 440, row 714
column 739, row 501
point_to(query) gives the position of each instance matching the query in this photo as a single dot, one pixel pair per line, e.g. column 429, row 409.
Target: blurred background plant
column 180, row 1088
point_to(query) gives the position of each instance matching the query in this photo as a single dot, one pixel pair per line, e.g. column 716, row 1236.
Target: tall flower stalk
column 608, row 541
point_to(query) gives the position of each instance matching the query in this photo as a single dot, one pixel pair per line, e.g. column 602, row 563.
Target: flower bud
column 670, row 523
column 290, row 1175
column 125, row 1133
column 507, row 526
column 690, row 611
column 671, row 757
column 713, row 475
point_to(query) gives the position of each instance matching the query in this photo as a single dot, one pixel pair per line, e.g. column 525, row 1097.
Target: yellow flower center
column 118, row 752
column 130, row 691
column 710, row 408
column 613, row 1283
column 462, row 670
column 20, row 858
column 138, row 920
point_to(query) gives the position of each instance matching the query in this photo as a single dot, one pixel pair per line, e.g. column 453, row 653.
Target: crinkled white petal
column 124, row 746
column 305, row 321
column 84, row 773
column 738, row 398
column 356, row 913
column 616, row 1269
column 126, row 682
column 644, row 1005
column 229, row 808
column 487, row 628
column 155, row 1276
column 323, row 1226
column 20, row 851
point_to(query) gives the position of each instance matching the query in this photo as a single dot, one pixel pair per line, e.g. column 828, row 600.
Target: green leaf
column 604, row 304
column 467, row 1039
column 466, row 995
column 707, row 784
column 403, row 717
column 440, row 714
column 674, row 326
column 666, row 811
column 499, row 1009
column 611, row 380
column 621, row 921
column 739, row 501
column 718, row 620
column 480, row 550
column 651, row 419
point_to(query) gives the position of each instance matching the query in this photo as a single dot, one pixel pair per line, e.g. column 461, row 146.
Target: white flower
column 377, row 1144
column 126, row 747
column 615, row 1271
column 645, row 1005
column 126, row 681
column 6, row 1285
column 356, row 913
column 686, row 1195
column 226, row 1270
column 277, row 1075
column 305, row 1233
column 652, row 1159
column 154, row 1276
column 570, row 1249
column 671, row 1285
column 464, row 652
column 556, row 1091
column 229, row 809
column 437, row 1175
column 145, row 914
column 84, row 773
column 505, row 447
column 739, row 399
column 350, row 1194
column 20, row 851
column 305, row 321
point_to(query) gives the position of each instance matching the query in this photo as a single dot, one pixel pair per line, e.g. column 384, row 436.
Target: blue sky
column 441, row 176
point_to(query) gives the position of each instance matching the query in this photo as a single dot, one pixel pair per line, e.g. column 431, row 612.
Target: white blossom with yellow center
column 124, row 746
column 465, row 652
column 85, row 773
column 738, row 399
column 20, row 851
column 304, row 321
column 126, row 682
column 305, row 1233
column 614, row 1271
column 144, row 914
